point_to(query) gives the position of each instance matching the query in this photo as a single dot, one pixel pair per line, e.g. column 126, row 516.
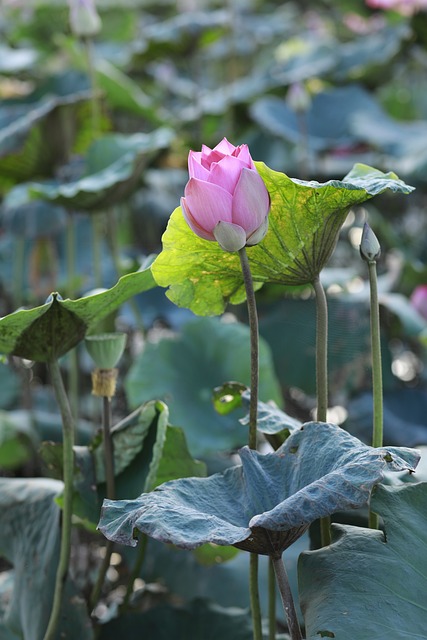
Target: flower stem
column 254, row 596
column 286, row 596
column 253, row 411
column 321, row 351
column 135, row 571
column 68, row 470
column 271, row 601
column 322, row 379
column 377, row 385
column 253, row 327
column 111, row 494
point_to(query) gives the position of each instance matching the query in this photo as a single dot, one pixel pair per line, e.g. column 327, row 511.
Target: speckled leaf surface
column 317, row 471
column 304, row 222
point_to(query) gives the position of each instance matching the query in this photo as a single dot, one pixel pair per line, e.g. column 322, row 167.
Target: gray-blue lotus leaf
column 319, row 470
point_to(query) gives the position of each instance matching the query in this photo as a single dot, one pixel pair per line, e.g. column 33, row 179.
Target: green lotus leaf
column 370, row 584
column 47, row 332
column 114, row 164
column 29, row 539
column 184, row 370
column 305, row 219
column 319, row 470
column 24, row 129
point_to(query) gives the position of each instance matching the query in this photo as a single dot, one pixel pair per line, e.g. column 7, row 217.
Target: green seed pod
column 106, row 349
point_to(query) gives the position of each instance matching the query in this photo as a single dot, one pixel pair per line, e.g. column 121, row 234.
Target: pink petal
column 230, row 236
column 225, row 147
column 245, row 156
column 209, row 156
column 251, row 201
column 226, row 173
column 197, row 229
column 195, row 168
column 207, row 203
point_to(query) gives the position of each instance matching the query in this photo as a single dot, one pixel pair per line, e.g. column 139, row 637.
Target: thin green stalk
column 111, row 494
column 67, row 510
column 322, row 379
column 254, row 597
column 136, row 572
column 253, row 412
column 96, row 120
column 321, row 351
column 286, row 596
column 377, row 384
column 73, row 382
column 271, row 601
column 96, row 248
column 18, row 271
column 253, row 328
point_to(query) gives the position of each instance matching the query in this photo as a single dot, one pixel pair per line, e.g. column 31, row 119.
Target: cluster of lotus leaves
column 267, row 502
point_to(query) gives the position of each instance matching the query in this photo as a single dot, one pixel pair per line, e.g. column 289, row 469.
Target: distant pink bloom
column 84, row 18
column 419, row 299
column 405, row 7
column 225, row 199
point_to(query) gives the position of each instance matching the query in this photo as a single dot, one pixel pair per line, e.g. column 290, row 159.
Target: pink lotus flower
column 405, row 7
column 225, row 198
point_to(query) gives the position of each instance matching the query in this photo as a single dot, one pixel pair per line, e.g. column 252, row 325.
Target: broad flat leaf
column 367, row 584
column 147, row 452
column 183, row 372
column 113, row 171
column 17, row 60
column 405, row 416
column 120, row 90
column 289, row 327
column 305, row 219
column 49, row 331
column 29, row 539
column 270, row 419
column 25, row 127
column 328, row 120
column 18, row 441
column 319, row 470
column 200, row 620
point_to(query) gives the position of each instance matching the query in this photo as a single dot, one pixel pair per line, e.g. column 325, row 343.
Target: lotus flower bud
column 225, row 199
column 84, row 18
column 370, row 249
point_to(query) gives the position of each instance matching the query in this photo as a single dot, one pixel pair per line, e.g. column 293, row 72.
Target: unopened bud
column 370, row 248
column 84, row 19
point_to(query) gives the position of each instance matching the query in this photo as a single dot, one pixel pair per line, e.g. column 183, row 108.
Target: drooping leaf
column 270, row 419
column 305, row 219
column 49, row 331
column 114, row 165
column 24, row 129
column 365, row 572
column 319, row 470
column 29, row 539
column 183, row 371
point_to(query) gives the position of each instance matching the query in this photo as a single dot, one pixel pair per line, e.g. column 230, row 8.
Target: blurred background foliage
column 94, row 137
